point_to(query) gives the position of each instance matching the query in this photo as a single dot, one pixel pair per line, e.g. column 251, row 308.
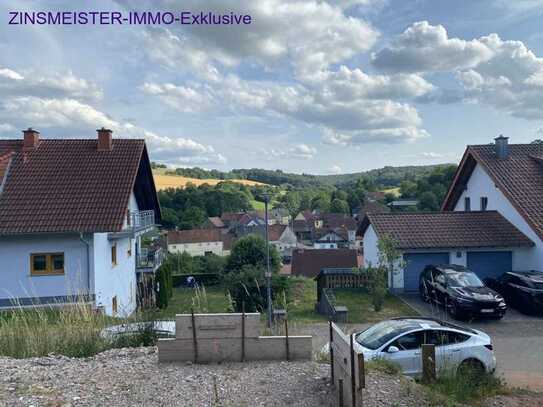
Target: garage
column 416, row 263
column 490, row 264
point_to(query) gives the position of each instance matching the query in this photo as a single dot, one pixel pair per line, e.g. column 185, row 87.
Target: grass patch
column 73, row 331
column 213, row 299
column 358, row 301
column 257, row 205
column 383, row 366
column 466, row 387
column 301, row 304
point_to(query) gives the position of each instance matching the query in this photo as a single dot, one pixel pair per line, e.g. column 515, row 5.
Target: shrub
column 249, row 286
column 164, row 285
column 377, row 286
column 251, row 251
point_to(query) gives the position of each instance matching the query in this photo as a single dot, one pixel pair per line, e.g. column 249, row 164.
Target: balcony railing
column 139, row 220
column 150, row 259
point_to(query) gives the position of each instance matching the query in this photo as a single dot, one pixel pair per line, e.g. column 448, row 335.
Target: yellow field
column 176, row 181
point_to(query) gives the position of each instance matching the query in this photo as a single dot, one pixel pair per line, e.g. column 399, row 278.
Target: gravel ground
column 133, row 377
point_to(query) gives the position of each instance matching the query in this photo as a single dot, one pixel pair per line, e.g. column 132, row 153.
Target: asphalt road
column 517, row 339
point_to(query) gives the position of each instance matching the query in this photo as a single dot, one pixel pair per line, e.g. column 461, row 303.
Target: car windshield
column 381, row 333
column 463, row 279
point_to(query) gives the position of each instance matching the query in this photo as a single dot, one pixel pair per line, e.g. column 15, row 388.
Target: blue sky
column 309, row 86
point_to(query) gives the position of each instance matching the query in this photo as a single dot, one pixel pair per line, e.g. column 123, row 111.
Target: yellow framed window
column 43, row 264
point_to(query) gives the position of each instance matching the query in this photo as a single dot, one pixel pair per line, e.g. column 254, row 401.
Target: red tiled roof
column 274, row 231
column 519, row 177
column 309, row 262
column 194, row 236
column 216, row 221
column 416, row 230
column 338, row 220
column 70, row 186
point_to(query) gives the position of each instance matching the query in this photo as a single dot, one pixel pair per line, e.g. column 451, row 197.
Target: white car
column 400, row 340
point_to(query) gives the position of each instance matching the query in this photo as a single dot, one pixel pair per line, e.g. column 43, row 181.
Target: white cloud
column 335, row 169
column 427, row 48
column 503, row 74
column 34, row 83
column 183, row 98
column 73, row 114
column 298, row 151
column 6, row 128
column 306, row 34
column 385, row 135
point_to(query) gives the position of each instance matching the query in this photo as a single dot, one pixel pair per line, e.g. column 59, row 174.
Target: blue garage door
column 416, row 263
column 490, row 264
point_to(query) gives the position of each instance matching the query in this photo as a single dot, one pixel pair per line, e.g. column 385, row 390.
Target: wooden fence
column 347, row 368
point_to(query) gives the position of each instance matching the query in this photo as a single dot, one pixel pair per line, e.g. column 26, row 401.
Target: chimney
column 31, row 139
column 104, row 139
column 502, row 146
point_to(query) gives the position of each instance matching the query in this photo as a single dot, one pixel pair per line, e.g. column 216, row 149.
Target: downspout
column 87, row 244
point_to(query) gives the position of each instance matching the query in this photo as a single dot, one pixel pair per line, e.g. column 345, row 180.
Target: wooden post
column 243, row 331
column 428, row 363
column 331, row 352
column 340, row 392
column 353, row 376
column 361, row 372
column 286, row 339
column 194, row 340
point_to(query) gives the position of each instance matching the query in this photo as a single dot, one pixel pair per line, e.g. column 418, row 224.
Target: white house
column 491, row 219
column 72, row 213
column 280, row 236
column 199, row 242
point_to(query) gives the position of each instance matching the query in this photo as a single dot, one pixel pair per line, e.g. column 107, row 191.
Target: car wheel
column 471, row 367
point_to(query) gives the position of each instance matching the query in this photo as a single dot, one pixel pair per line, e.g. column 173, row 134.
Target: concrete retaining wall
column 219, row 339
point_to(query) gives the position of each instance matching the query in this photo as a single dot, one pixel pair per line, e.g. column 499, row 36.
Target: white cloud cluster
column 298, row 151
column 308, row 35
column 503, row 74
column 33, row 83
column 52, row 102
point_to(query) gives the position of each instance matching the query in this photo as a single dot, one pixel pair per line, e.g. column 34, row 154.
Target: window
column 129, row 251
column 440, row 279
column 443, row 338
column 484, row 203
column 114, row 255
column 46, row 263
column 409, row 341
column 114, row 305
column 467, row 204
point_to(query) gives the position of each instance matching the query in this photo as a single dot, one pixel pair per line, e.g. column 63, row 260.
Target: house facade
column 198, row 242
column 491, row 219
column 72, row 214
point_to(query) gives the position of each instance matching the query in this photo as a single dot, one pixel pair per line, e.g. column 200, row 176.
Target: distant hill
column 386, row 177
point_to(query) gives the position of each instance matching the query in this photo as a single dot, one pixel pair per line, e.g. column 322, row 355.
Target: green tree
column 428, row 201
column 251, row 251
column 339, row 206
column 169, row 218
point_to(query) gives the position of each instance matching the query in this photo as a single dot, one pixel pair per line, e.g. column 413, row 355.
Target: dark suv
column 460, row 291
column 522, row 290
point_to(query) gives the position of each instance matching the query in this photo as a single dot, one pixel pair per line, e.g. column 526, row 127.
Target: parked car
column 460, row 291
column 521, row 289
column 400, row 340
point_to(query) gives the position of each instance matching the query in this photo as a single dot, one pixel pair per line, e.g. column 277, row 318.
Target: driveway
column 517, row 339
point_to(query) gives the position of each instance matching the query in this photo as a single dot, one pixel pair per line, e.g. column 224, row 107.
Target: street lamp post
column 268, row 274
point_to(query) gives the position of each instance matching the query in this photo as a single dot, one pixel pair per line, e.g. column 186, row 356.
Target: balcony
column 149, row 260
column 137, row 222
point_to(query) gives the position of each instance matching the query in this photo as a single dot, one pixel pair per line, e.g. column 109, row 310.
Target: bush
column 377, row 286
column 249, row 286
column 164, row 285
column 251, row 251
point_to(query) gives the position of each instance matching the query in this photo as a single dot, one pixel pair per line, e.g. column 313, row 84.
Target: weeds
column 74, row 331
column 468, row 385
column 383, row 366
